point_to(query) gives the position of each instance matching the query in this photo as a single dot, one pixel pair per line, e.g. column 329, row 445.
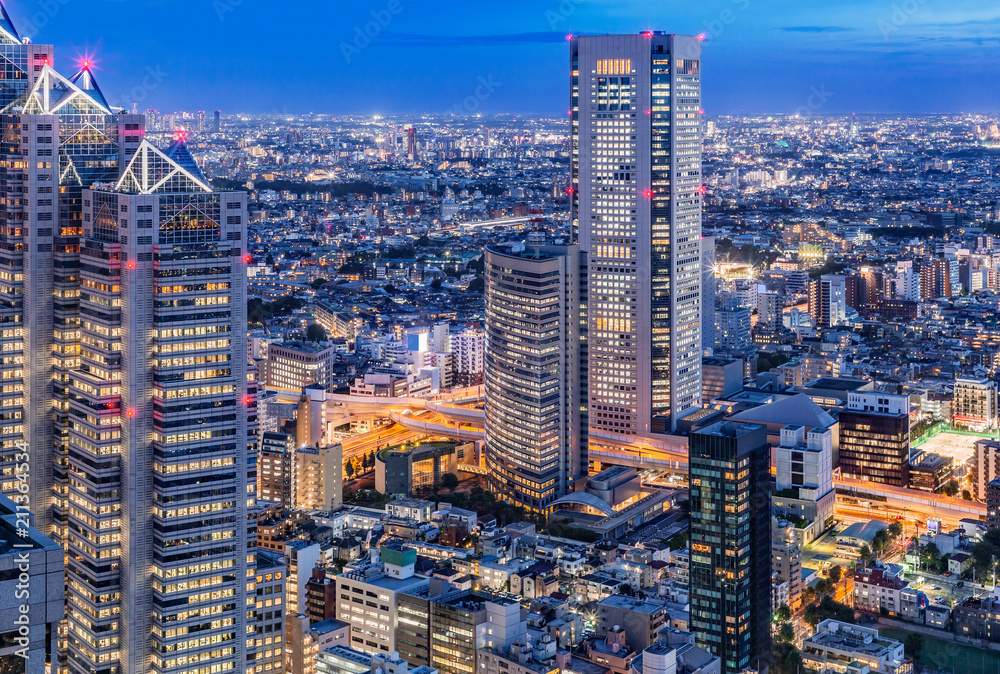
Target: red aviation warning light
column 131, row 264
column 648, row 194
column 131, row 412
column 569, row 37
column 247, row 259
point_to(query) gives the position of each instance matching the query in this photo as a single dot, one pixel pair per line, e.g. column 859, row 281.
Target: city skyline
column 779, row 58
column 644, row 388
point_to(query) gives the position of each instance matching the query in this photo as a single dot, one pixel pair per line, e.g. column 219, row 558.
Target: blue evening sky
column 761, row 56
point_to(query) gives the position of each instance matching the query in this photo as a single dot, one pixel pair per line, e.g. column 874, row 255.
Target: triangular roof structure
column 178, row 151
column 53, row 94
column 8, row 34
column 152, row 172
column 85, row 80
column 797, row 409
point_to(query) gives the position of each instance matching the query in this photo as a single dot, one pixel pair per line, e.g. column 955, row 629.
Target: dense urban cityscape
column 637, row 389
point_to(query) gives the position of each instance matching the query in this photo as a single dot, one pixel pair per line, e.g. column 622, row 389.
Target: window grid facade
column 636, row 204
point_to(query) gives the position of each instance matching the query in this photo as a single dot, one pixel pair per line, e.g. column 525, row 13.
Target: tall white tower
column 160, row 548
column 636, row 202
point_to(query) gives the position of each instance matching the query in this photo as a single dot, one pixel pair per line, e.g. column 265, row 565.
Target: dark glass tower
column 731, row 543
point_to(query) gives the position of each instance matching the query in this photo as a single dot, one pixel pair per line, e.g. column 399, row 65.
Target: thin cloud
column 411, row 40
column 815, row 29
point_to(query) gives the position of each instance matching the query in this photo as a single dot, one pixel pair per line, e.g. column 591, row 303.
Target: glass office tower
column 636, row 205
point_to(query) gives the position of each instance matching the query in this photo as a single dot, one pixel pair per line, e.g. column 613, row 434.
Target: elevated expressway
column 450, row 416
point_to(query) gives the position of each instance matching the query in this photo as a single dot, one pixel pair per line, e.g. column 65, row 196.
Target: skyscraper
column 160, row 548
column 731, row 543
column 59, row 137
column 217, row 125
column 709, row 288
column 828, row 300
column 875, row 437
column 536, row 426
column 636, row 203
column 411, row 141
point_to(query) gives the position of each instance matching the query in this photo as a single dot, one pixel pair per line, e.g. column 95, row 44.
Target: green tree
column 966, row 494
column 930, row 555
column 823, row 586
column 316, row 333
column 786, row 632
column 349, row 469
column 987, row 551
column 477, row 285
column 880, row 541
column 783, row 614
column 836, row 573
column 785, row 658
column 866, row 555
column 914, row 644
column 449, row 481
column 436, row 284
column 896, row 529
column 318, row 283
column 951, row 488
column 678, row 541
column 826, row 609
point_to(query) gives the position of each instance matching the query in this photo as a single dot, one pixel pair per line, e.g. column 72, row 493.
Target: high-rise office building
column 709, row 287
column 636, row 198
column 828, row 300
column 770, row 311
column 536, row 429
column 730, row 576
column 875, row 438
column 936, row 279
column 275, row 470
column 60, row 137
column 217, row 125
column 32, row 572
column 732, row 328
column 160, row 549
column 469, row 348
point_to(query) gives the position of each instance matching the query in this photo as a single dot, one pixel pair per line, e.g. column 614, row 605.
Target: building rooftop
column 863, row 530
column 798, row 408
column 637, row 605
column 301, row 347
column 838, row 383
